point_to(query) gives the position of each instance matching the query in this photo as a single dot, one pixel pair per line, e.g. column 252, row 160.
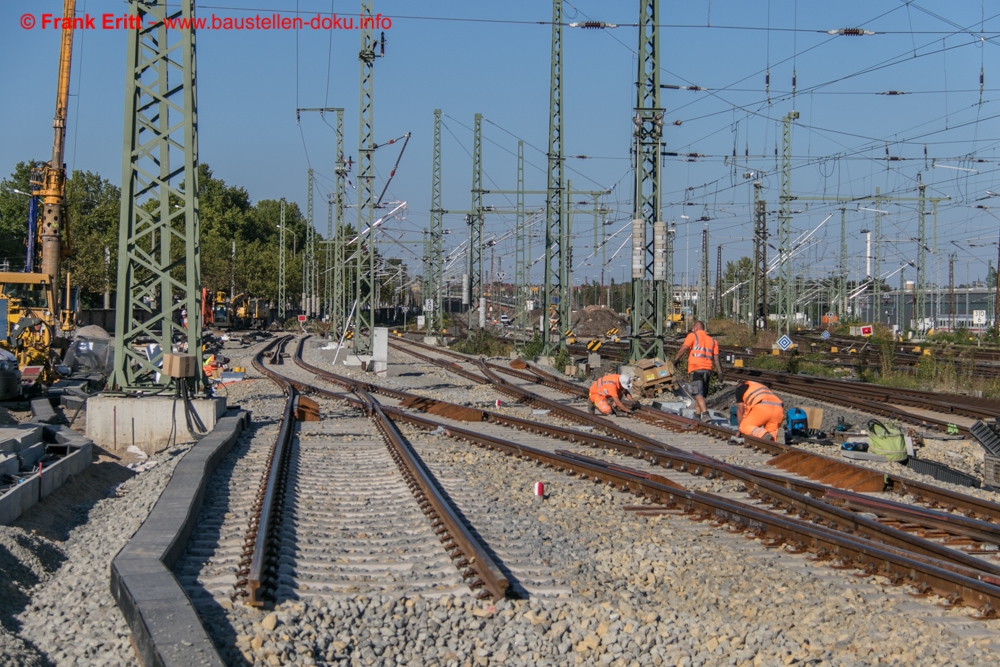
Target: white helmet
column 626, row 382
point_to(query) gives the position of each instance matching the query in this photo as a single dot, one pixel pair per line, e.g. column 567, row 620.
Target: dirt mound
column 597, row 320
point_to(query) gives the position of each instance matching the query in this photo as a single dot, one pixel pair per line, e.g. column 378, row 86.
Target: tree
column 93, row 205
column 14, row 216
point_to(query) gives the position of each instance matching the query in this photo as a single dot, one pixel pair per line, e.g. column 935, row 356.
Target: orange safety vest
column 758, row 394
column 703, row 349
column 606, row 386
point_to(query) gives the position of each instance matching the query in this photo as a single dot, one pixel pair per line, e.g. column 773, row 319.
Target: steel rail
column 830, row 396
column 254, row 574
column 851, row 551
column 661, row 454
column 805, row 497
column 814, row 466
column 472, row 559
column 844, row 521
column 897, row 542
column 946, row 403
column 470, row 556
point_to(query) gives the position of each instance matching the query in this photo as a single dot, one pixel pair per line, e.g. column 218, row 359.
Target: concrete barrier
column 165, row 626
column 78, row 453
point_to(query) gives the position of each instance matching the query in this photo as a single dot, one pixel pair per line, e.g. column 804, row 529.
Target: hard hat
column 626, row 382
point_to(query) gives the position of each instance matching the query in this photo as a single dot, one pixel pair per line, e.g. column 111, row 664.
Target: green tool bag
column 886, row 440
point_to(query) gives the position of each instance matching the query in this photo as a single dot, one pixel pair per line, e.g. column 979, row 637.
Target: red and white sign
column 866, row 331
column 539, row 489
column 302, row 318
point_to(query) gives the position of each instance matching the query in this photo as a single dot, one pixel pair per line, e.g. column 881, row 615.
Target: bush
column 481, row 342
column 561, row 360
column 534, row 348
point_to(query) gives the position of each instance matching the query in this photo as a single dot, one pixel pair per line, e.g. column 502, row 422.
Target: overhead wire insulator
column 673, row 86
column 893, row 92
column 850, row 32
column 592, row 25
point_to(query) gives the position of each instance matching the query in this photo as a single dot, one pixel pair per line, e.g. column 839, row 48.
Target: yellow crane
column 29, row 301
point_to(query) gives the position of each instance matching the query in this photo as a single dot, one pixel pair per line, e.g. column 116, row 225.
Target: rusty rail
column 252, row 577
column 960, row 587
column 894, row 553
column 477, row 566
column 814, row 466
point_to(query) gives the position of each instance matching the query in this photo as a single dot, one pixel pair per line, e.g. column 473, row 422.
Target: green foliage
column 768, row 362
column 227, row 215
column 534, row 348
column 561, row 360
column 93, row 206
column 481, row 342
column 14, row 216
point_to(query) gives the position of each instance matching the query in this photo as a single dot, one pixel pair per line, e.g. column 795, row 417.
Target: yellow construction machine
column 27, row 314
column 250, row 312
column 675, row 315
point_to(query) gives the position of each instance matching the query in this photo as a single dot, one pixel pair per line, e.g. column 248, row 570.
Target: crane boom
column 53, row 190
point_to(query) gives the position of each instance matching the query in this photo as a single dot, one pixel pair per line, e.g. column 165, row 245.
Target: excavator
column 31, row 314
column 215, row 311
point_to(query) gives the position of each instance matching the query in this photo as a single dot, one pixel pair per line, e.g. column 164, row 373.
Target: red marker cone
column 539, row 490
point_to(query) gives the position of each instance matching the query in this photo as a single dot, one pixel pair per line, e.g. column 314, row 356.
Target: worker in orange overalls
column 758, row 411
column 704, row 351
column 606, row 393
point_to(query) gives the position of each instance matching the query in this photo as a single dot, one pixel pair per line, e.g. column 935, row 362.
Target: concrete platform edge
column 165, row 627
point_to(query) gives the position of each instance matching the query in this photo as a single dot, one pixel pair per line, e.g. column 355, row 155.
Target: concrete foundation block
column 30, row 455
column 432, row 340
column 357, row 359
column 18, row 499
column 15, row 438
column 548, row 362
column 152, row 423
column 42, row 411
column 594, row 360
column 9, row 464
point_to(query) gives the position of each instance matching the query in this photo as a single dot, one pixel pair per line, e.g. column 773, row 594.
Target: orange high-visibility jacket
column 703, row 348
column 758, row 394
column 607, row 386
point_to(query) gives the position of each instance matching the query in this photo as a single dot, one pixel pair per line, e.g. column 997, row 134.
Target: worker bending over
column 703, row 352
column 606, row 394
column 758, row 411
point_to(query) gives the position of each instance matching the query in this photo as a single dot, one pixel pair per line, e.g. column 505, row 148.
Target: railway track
column 817, row 467
column 885, row 545
column 850, row 353
column 310, row 535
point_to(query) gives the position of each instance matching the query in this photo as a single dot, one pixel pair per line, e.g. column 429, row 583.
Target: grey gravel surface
column 658, row 590
column 56, row 604
column 633, row 590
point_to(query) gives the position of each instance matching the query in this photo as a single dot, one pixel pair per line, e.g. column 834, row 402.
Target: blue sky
column 493, row 58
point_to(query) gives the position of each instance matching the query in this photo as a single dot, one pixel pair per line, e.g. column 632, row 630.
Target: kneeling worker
column 605, row 394
column 758, row 411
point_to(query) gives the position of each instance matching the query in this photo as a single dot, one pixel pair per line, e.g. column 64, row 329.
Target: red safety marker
column 498, row 402
column 539, row 490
